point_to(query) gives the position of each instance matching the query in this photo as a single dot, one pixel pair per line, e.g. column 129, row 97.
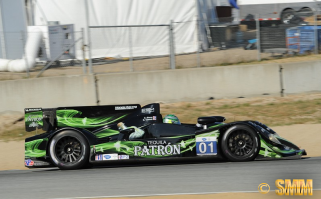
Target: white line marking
column 169, row 194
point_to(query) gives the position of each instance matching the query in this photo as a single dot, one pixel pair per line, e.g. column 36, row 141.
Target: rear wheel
column 69, row 150
column 240, row 143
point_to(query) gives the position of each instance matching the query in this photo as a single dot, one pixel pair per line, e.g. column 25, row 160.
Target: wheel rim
column 68, row 149
column 240, row 143
column 287, row 17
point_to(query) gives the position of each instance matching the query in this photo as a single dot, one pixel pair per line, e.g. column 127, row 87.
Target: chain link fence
column 40, row 51
column 128, row 48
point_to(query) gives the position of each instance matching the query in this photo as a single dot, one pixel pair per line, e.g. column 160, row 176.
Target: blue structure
column 302, row 38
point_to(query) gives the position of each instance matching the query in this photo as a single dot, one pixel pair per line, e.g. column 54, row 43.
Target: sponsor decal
column 40, row 164
column 159, row 147
column 125, row 107
column 110, row 156
column 149, row 118
column 34, row 118
column 33, row 124
column 32, row 109
column 99, row 157
column 157, row 142
column 29, row 162
column 123, row 157
column 148, row 110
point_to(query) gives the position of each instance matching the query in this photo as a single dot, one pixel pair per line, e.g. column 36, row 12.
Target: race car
column 79, row 137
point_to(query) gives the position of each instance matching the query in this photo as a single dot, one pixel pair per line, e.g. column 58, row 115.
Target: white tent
column 146, row 41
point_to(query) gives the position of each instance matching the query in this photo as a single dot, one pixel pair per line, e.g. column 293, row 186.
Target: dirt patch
column 12, row 155
column 272, row 111
column 12, row 126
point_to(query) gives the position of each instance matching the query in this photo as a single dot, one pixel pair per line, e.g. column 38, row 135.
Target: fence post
column 258, row 43
column 316, row 47
column 88, row 38
column 3, row 44
column 281, row 80
column 198, row 43
column 83, row 61
column 24, row 52
column 171, row 45
column 130, row 49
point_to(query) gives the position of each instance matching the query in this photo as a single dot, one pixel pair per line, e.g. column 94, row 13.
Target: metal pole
column 170, row 46
column 24, row 52
column 83, row 50
column 281, row 80
column 88, row 37
column 30, row 13
column 172, row 49
column 198, row 43
column 3, row 44
column 316, row 47
column 258, row 43
column 130, row 49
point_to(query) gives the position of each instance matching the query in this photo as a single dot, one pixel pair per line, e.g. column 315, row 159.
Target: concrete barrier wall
column 160, row 86
column 188, row 84
column 15, row 95
column 302, row 77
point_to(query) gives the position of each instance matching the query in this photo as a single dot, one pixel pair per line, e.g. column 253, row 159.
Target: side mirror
column 209, row 120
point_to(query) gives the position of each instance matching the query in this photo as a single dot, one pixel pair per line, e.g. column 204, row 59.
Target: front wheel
column 69, row 150
column 240, row 143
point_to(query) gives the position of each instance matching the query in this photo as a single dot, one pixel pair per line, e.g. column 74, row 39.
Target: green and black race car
column 77, row 137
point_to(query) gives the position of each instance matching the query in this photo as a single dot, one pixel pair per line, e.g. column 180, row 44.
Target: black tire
column 69, row 150
column 287, row 15
column 306, row 12
column 240, row 143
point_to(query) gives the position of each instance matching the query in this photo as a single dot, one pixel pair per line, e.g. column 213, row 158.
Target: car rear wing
column 77, row 117
column 38, row 118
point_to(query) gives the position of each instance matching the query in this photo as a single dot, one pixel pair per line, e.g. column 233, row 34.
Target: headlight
column 270, row 136
column 274, row 139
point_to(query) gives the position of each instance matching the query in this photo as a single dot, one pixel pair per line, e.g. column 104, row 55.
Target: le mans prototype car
column 78, row 137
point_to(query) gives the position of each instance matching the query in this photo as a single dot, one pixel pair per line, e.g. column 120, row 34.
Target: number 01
column 203, row 148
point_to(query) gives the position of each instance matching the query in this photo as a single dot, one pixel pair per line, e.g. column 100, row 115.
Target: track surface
column 160, row 178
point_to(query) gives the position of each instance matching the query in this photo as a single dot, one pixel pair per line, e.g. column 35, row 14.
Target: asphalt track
column 170, row 177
